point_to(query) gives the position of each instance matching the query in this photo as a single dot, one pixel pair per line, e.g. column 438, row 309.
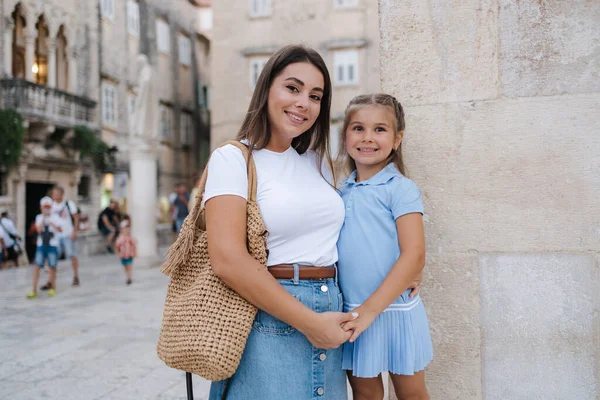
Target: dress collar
column 380, row 178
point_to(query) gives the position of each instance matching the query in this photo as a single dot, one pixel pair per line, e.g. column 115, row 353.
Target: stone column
column 72, row 61
column 29, row 55
column 52, row 62
column 9, row 26
column 20, row 199
column 142, row 202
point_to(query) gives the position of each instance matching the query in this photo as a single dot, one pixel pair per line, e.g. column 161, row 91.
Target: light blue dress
column 398, row 341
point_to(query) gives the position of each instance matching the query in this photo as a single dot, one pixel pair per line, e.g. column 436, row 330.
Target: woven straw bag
column 206, row 323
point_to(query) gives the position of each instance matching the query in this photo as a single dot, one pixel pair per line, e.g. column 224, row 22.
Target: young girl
column 126, row 248
column 381, row 251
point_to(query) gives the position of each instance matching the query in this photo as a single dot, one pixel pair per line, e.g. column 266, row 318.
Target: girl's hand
column 361, row 323
column 326, row 331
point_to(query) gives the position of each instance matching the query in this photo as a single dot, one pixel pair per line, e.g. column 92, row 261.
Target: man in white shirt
column 68, row 213
column 8, row 232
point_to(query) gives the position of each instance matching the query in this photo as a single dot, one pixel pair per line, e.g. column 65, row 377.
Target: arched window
column 40, row 61
column 62, row 62
column 18, row 43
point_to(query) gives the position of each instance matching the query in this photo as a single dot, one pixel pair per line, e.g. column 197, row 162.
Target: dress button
column 323, row 356
column 324, row 288
column 348, row 209
column 320, row 391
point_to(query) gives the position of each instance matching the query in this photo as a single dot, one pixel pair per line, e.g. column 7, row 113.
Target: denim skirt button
column 320, row 391
column 324, row 288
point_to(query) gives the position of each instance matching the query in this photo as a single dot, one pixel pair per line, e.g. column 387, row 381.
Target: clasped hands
column 335, row 328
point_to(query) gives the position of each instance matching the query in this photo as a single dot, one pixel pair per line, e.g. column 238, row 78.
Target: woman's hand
column 361, row 323
column 325, row 331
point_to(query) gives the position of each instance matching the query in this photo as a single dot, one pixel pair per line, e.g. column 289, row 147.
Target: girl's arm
column 226, row 229
column 411, row 239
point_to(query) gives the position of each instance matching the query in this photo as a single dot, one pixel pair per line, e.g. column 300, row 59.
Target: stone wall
column 502, row 100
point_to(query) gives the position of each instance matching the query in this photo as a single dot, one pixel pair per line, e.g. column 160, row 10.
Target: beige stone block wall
column 501, row 99
column 451, row 295
column 441, row 51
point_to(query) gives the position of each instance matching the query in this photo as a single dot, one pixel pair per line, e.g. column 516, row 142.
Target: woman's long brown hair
column 256, row 128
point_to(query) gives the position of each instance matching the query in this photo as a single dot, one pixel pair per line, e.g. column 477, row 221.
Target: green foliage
column 11, row 138
column 93, row 148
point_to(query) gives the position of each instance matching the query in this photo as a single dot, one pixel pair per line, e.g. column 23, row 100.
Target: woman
column 293, row 350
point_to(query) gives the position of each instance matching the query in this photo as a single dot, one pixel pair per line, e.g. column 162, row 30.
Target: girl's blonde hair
column 378, row 99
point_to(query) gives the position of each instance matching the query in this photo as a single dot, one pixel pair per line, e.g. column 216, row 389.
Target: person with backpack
column 68, row 213
column 11, row 238
column 3, row 252
column 108, row 224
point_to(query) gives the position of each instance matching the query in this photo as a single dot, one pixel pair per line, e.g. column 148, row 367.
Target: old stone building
column 73, row 62
column 49, row 53
column 246, row 33
column 175, row 39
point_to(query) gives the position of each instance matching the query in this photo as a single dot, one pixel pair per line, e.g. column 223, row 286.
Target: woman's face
column 295, row 101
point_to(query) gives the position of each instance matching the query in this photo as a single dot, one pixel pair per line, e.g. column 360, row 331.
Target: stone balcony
column 37, row 103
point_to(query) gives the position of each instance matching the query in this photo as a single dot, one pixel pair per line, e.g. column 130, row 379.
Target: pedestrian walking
column 48, row 227
column 68, row 213
column 3, row 252
column 180, row 205
column 108, row 224
column 126, row 248
column 9, row 234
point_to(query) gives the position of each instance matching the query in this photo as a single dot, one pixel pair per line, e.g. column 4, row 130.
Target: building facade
column 344, row 32
column 69, row 63
column 49, row 53
column 177, row 45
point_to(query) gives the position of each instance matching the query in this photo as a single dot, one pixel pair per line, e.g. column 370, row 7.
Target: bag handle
column 251, row 167
column 180, row 250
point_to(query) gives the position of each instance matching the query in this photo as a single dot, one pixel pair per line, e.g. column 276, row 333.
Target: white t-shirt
column 46, row 221
column 302, row 212
column 60, row 209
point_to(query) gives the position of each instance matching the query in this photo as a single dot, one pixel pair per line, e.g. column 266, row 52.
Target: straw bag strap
column 251, row 173
column 251, row 179
column 180, row 250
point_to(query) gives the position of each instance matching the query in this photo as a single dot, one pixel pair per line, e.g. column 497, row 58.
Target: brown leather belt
column 286, row 271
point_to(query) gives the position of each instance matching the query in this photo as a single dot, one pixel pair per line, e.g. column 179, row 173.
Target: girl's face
column 46, row 210
column 294, row 101
column 371, row 136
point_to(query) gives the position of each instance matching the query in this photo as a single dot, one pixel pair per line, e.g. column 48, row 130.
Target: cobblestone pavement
column 96, row 341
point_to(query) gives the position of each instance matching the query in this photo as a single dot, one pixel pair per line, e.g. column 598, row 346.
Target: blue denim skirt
column 280, row 363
